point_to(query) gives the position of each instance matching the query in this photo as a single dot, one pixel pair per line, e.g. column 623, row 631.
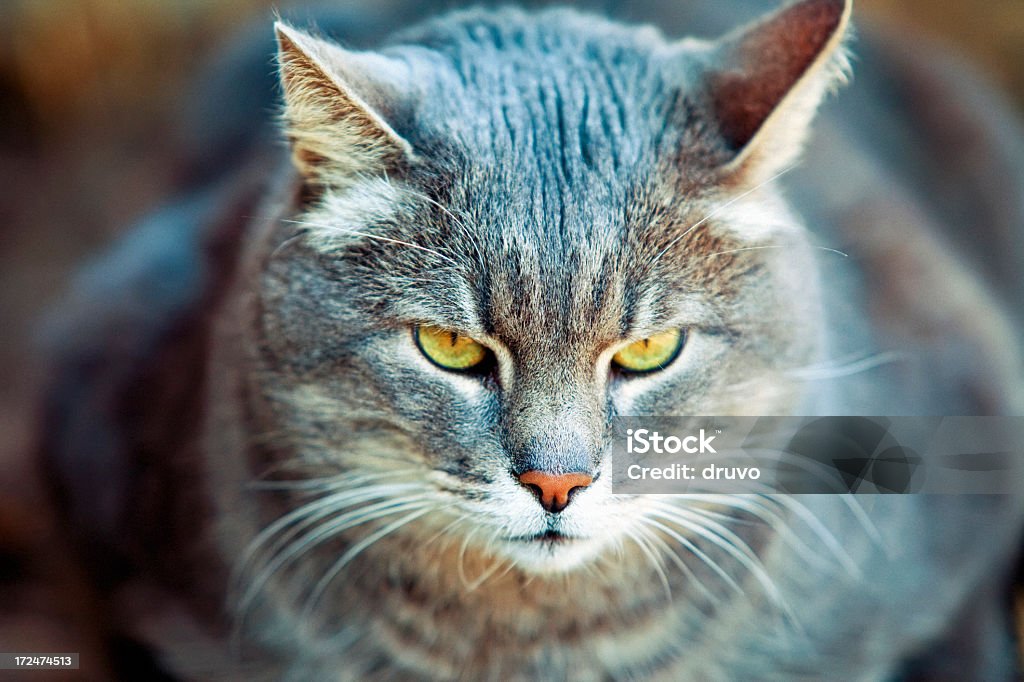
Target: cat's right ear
column 336, row 104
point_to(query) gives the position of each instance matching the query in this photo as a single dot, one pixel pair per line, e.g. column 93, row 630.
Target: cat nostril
column 554, row 490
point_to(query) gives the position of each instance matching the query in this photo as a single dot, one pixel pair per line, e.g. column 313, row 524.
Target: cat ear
column 335, row 102
column 766, row 81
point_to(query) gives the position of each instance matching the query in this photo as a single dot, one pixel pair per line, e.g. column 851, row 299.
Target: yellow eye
column 650, row 354
column 450, row 350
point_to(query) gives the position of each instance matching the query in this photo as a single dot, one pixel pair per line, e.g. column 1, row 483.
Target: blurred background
column 91, row 98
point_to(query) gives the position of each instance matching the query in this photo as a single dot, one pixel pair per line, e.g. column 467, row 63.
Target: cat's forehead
column 472, row 37
column 556, row 93
column 557, row 120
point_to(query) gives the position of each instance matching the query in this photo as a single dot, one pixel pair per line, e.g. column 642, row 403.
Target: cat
column 346, row 414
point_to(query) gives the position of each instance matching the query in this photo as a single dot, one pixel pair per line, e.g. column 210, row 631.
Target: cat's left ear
column 337, row 103
column 765, row 81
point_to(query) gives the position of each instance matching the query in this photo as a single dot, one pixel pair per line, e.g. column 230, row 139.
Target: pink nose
column 553, row 490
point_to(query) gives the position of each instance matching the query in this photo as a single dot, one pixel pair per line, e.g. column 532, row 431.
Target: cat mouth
column 547, row 537
column 549, row 551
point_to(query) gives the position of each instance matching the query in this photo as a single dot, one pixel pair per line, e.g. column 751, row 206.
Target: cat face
column 521, row 227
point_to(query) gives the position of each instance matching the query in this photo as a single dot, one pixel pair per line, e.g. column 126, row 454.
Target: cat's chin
column 549, row 553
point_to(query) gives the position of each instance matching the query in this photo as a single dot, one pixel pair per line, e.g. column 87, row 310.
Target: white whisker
column 460, row 564
column 697, row 552
column 774, row 246
column 638, row 535
column 844, row 368
column 488, row 572
column 734, row 547
column 674, row 557
column 721, row 207
column 321, row 534
column 355, row 551
column 375, row 237
column 317, row 509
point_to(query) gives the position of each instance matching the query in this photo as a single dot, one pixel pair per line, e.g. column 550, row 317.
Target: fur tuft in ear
column 334, row 101
column 766, row 82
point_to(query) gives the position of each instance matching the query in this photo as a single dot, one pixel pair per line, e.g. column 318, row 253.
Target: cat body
column 283, row 465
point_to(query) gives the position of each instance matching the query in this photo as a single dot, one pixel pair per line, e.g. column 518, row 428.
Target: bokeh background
column 92, row 93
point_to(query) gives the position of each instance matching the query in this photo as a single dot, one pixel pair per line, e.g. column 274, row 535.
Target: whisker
column 775, row 246
column 820, row 531
column 487, row 573
column 355, row 551
column 781, row 527
column 333, row 481
column 758, row 505
column 320, row 507
column 470, row 236
column 844, row 368
column 443, row 531
column 315, row 537
column 735, row 548
column 697, row 552
column 721, row 207
column 460, row 564
column 375, row 237
column 673, row 556
column 638, row 535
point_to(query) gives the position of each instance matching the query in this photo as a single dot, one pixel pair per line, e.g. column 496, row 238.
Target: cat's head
column 516, row 227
